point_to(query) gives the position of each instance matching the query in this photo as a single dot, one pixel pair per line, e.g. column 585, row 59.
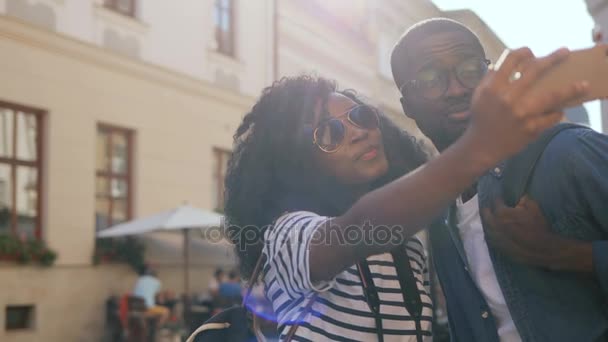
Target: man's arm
column 523, row 233
column 589, row 162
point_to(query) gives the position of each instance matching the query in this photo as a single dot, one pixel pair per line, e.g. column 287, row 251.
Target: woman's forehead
column 336, row 105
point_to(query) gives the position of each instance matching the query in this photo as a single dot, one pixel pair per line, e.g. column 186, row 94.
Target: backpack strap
column 520, row 169
column 307, row 309
column 409, row 289
column 371, row 296
column 407, row 283
column 255, row 275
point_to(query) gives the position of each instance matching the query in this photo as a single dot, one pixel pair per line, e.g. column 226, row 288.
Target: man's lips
column 459, row 116
column 459, row 113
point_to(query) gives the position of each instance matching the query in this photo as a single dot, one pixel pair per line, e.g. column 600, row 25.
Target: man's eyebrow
column 433, row 62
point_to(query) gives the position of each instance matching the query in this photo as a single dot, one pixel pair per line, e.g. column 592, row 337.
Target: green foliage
column 26, row 251
column 129, row 250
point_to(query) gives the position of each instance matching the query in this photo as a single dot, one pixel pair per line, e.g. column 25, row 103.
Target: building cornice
column 24, row 33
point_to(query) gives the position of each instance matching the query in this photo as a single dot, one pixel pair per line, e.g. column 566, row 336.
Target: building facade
column 598, row 9
column 115, row 109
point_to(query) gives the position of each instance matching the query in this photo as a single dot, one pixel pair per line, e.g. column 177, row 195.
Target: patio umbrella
column 182, row 218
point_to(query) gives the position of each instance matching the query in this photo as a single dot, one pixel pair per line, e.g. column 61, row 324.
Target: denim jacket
column 570, row 184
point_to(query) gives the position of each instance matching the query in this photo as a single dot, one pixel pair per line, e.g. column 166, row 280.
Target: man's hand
column 524, row 234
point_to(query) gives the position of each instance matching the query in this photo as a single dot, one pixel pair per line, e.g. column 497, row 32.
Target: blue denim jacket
column 570, row 184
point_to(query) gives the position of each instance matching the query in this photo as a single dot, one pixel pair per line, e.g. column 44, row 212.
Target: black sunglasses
column 329, row 134
column 432, row 83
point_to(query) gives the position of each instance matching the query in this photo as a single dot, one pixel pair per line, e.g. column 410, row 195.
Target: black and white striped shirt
column 340, row 311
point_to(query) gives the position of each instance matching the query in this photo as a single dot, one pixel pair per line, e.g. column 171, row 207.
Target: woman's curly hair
column 272, row 169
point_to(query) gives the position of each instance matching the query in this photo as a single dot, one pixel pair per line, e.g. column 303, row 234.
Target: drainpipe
column 275, row 41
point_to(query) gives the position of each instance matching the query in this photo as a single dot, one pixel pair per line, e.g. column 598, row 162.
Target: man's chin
column 455, row 130
column 446, row 134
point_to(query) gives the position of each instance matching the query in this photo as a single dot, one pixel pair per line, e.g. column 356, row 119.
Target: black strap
column 371, row 296
column 257, row 270
column 409, row 290
column 520, row 169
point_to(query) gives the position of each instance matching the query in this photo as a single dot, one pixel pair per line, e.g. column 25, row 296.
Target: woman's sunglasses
column 329, row 134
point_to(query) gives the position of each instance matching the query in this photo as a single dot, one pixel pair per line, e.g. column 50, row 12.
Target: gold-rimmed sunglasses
column 330, row 133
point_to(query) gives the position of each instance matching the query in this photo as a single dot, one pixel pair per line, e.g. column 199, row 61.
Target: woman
column 312, row 165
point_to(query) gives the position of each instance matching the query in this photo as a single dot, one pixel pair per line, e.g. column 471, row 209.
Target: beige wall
column 178, row 37
column 70, row 301
column 177, row 121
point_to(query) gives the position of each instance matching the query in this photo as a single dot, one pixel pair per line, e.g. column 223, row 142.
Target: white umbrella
column 182, row 218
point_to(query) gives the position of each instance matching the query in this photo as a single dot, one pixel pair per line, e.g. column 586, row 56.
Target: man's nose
column 455, row 87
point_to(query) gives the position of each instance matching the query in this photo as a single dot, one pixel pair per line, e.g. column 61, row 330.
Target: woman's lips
column 370, row 155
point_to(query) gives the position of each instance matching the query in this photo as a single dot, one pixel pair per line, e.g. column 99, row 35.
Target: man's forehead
column 442, row 46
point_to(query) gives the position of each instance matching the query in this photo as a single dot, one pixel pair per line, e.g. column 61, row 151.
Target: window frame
column 109, row 175
column 13, row 163
column 221, row 47
column 27, row 313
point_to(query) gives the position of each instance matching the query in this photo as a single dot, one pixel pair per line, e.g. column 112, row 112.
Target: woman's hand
column 505, row 116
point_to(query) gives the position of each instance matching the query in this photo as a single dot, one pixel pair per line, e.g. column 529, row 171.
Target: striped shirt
column 340, row 311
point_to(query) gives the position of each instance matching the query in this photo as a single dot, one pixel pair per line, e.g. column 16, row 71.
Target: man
column 147, row 287
column 231, row 290
column 214, row 283
column 534, row 280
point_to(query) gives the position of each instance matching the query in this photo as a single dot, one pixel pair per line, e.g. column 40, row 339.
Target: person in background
column 168, row 299
column 231, row 290
column 214, row 283
column 147, row 287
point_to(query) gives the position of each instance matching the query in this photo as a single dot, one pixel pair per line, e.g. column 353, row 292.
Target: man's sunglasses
column 329, row 134
column 432, row 83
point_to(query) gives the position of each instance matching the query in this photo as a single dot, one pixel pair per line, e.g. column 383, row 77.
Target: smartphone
column 581, row 65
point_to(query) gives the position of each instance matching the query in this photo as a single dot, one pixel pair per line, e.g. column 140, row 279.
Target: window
column 125, row 7
column 223, row 17
column 20, row 165
column 113, row 176
column 219, row 174
column 19, row 317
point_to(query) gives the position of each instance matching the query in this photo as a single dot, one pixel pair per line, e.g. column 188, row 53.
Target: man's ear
column 405, row 107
